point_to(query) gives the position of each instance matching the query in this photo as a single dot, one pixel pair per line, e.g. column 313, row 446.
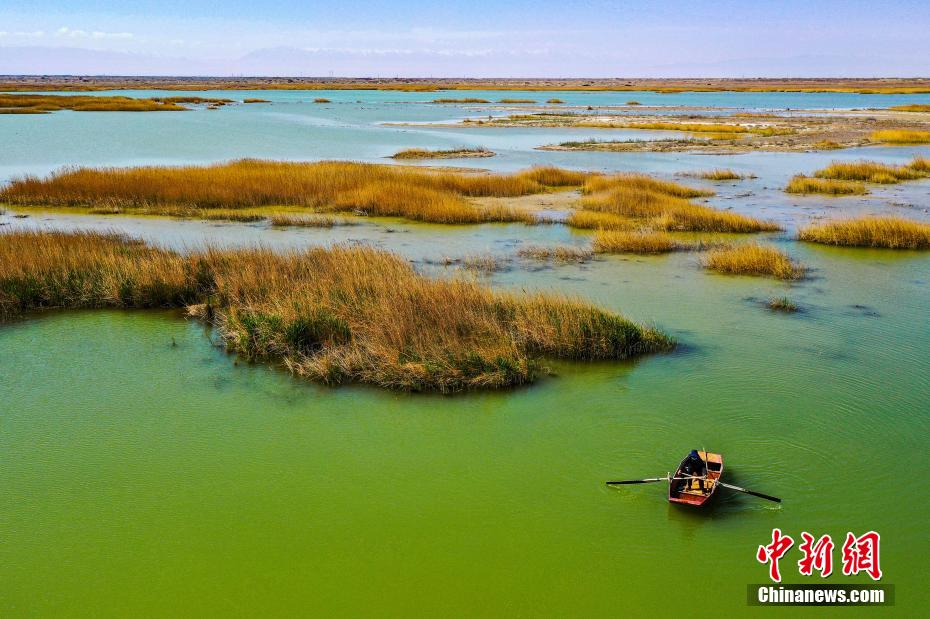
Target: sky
column 479, row 38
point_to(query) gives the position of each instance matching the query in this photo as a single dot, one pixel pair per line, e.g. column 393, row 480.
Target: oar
column 648, row 480
column 758, row 494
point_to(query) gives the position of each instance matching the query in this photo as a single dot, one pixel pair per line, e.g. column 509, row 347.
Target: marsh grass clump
column 662, row 205
column 805, row 185
column 336, row 315
column 322, row 100
column 43, row 104
column 560, row 253
column 901, row 136
column 598, row 183
column 874, row 172
column 457, row 153
column 370, row 189
column 462, row 100
column 593, row 220
column 253, row 100
column 635, row 242
column 781, row 304
column 633, row 103
column 913, row 107
column 753, row 259
column 720, row 174
column 308, row 221
column 887, row 232
column 826, row 145
column 555, row 101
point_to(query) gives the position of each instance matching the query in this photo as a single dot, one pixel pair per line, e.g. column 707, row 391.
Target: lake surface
column 147, row 472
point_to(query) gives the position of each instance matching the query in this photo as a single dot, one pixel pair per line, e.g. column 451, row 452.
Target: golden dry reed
column 634, row 242
column 901, row 136
column 593, row 220
column 889, row 232
column 43, row 104
column 753, row 259
column 456, row 153
column 720, row 174
column 875, row 172
column 343, row 314
column 367, row 189
column 913, row 107
column 805, row 184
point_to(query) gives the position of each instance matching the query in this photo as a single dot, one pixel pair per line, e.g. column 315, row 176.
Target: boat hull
column 687, row 492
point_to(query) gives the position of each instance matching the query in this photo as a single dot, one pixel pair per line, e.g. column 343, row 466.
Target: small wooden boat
column 696, row 479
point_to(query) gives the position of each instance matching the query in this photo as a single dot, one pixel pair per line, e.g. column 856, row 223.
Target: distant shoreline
column 873, row 85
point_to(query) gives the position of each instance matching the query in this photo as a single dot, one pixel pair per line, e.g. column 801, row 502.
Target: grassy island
column 345, row 314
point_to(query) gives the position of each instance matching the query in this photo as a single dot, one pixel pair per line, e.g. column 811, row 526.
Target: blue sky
column 478, row 38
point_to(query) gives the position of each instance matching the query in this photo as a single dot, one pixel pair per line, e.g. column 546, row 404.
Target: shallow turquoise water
column 146, row 472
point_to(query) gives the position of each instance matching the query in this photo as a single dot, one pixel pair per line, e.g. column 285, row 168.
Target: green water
column 145, row 472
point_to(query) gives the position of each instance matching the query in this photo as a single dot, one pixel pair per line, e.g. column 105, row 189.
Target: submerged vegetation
column 457, row 153
column 888, row 232
column 329, row 186
column 805, row 184
column 753, row 259
column 781, row 304
column 517, row 101
column 561, row 253
column 345, row 314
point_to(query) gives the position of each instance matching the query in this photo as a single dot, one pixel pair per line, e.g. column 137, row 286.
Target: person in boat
column 694, row 466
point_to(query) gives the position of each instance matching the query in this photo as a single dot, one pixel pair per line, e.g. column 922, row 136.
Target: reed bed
column 344, row 314
column 43, row 104
column 826, row 145
column 635, row 242
column 719, row 174
column 457, row 153
column 462, row 100
column 597, row 183
column 753, row 259
column 671, row 213
column 593, row 220
column 913, row 107
column 887, row 232
column 805, row 185
column 901, row 136
column 875, row 172
column 560, row 253
column 370, row 189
